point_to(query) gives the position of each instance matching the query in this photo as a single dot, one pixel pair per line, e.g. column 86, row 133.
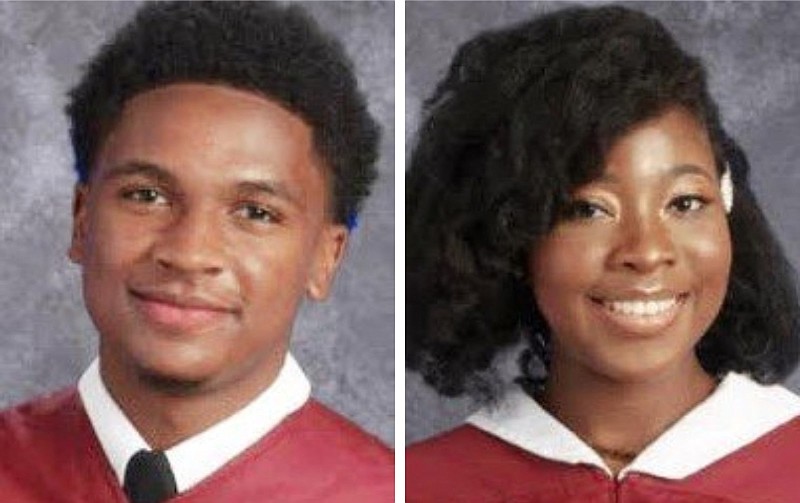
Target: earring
column 726, row 188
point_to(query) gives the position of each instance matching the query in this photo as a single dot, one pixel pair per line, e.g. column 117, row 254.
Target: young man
column 223, row 150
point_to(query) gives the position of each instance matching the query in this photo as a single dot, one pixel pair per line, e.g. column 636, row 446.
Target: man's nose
column 192, row 243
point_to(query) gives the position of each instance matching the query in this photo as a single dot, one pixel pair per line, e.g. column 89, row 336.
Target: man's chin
column 169, row 383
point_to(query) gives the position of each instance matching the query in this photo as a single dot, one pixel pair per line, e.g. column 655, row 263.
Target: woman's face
column 633, row 275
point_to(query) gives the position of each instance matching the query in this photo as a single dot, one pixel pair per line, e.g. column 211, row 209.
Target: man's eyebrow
column 274, row 188
column 141, row 168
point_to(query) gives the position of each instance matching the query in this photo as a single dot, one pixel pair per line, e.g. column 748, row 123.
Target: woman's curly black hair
column 273, row 50
column 524, row 116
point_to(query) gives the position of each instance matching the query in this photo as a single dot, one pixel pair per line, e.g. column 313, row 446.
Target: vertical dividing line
column 400, row 248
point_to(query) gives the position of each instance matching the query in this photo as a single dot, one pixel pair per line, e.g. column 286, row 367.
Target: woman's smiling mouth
column 640, row 316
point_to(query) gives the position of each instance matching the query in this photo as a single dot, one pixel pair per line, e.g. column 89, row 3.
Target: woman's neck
column 619, row 418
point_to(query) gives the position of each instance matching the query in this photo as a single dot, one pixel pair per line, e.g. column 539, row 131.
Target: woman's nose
column 645, row 243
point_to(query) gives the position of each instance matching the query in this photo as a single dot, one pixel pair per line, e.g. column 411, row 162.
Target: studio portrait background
column 346, row 345
column 750, row 52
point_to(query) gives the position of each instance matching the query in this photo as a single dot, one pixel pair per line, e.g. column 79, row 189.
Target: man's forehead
column 207, row 114
column 187, row 101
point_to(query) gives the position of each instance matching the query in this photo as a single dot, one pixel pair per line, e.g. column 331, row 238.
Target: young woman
column 573, row 186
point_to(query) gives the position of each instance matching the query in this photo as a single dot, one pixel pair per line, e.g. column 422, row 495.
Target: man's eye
column 258, row 213
column 584, row 210
column 688, row 203
column 147, row 195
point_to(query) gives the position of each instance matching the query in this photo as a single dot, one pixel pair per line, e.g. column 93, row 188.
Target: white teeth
column 641, row 307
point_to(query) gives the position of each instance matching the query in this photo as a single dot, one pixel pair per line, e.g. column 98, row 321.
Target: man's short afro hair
column 273, row 50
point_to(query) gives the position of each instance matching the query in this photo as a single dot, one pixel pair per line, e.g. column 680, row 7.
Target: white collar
column 197, row 457
column 737, row 413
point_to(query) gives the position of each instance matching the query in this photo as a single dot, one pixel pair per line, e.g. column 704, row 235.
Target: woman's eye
column 688, row 204
column 585, row 210
column 146, row 195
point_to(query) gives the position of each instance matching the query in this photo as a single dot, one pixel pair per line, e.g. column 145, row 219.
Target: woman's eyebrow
column 676, row 171
column 690, row 169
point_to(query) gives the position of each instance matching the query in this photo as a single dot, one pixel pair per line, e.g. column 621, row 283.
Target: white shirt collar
column 197, row 457
column 737, row 413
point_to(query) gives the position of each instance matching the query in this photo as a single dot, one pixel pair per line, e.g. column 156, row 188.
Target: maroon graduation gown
column 468, row 465
column 50, row 454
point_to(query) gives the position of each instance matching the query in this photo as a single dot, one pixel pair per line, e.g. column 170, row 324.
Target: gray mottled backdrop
column 346, row 345
column 752, row 53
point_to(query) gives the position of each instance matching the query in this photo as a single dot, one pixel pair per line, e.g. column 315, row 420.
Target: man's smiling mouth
column 180, row 313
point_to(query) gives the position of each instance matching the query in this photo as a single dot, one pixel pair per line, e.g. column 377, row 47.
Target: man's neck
column 167, row 415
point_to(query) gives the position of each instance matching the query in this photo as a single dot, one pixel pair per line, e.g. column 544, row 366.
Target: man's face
column 203, row 225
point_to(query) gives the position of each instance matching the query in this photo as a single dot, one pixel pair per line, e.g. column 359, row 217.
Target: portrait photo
column 601, row 247
column 203, row 194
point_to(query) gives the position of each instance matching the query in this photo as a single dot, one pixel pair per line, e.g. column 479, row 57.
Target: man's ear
column 79, row 223
column 330, row 251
